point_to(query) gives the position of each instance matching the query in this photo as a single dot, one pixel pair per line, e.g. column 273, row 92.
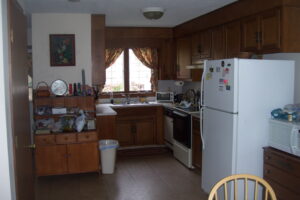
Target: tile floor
column 158, row 177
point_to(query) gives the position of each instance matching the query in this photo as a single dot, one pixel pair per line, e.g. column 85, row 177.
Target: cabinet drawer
column 88, row 136
column 282, row 161
column 283, row 178
column 44, row 139
column 66, row 138
column 281, row 192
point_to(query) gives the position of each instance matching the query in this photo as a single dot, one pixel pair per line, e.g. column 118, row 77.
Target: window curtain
column 111, row 56
column 148, row 56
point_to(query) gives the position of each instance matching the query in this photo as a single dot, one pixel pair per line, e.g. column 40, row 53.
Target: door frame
column 7, row 181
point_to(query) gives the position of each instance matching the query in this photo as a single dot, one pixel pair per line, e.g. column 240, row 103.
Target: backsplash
column 169, row 85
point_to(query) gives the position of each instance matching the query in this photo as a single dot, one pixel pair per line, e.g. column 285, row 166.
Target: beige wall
column 45, row 24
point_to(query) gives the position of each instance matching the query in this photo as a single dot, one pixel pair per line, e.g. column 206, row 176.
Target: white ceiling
column 128, row 12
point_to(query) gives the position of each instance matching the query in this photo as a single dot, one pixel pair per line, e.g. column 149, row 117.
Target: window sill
column 106, row 95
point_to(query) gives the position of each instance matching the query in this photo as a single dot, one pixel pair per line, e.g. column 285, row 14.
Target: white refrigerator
column 238, row 96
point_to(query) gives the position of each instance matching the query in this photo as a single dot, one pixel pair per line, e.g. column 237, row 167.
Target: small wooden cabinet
column 66, row 153
column 261, row 33
column 183, row 55
column 232, row 39
column 282, row 171
column 201, row 45
column 197, row 143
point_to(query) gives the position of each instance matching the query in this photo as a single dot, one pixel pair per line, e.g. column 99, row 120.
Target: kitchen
column 216, row 25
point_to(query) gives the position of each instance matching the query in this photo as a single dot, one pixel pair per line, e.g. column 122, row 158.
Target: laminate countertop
column 108, row 109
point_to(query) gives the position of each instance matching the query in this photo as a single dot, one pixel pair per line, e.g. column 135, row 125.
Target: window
column 115, row 76
column 128, row 74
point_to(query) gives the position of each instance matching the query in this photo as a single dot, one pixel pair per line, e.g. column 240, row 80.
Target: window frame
column 126, row 82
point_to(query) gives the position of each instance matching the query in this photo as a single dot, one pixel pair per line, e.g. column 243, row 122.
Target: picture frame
column 62, row 50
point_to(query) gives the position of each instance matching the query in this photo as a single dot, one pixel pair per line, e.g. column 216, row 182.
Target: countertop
column 107, row 109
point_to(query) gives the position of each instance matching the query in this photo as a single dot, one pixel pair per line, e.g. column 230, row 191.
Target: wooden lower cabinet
column 282, row 171
column 78, row 154
column 124, row 133
column 197, row 143
column 51, row 159
column 81, row 157
column 136, row 132
column 145, row 132
column 139, row 126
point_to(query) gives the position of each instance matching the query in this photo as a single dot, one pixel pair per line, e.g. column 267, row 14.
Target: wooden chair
column 261, row 189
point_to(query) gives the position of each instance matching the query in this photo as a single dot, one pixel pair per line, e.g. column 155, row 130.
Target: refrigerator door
column 218, row 156
column 220, row 85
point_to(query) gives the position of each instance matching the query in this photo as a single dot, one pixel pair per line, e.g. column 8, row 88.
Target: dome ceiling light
column 153, row 12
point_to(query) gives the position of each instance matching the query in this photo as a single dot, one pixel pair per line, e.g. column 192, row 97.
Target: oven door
column 182, row 128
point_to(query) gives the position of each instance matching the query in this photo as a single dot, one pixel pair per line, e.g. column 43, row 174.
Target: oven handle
column 201, row 127
column 180, row 114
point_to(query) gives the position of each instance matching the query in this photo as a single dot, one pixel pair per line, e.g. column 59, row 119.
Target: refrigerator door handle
column 201, row 128
column 202, row 84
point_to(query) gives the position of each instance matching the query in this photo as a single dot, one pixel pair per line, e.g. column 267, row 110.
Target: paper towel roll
column 179, row 83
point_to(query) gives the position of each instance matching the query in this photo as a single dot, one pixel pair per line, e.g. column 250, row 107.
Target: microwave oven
column 167, row 97
column 285, row 136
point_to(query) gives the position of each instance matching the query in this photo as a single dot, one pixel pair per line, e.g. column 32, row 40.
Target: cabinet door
column 218, row 43
column 51, row 159
column 250, row 34
column 145, row 132
column 124, row 133
column 83, row 157
column 270, row 31
column 167, row 62
column 205, row 44
column 233, row 39
column 183, row 47
column 196, row 48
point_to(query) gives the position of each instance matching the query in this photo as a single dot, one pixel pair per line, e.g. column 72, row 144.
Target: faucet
column 128, row 98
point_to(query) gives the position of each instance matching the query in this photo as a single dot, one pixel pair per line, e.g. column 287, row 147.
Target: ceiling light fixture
column 153, row 12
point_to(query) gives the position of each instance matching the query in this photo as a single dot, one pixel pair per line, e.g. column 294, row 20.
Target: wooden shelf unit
column 69, row 152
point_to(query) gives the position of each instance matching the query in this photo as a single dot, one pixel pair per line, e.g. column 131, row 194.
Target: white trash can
column 108, row 155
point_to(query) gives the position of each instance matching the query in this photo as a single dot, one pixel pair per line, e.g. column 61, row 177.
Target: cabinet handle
column 268, row 157
column 257, row 37
column 199, row 48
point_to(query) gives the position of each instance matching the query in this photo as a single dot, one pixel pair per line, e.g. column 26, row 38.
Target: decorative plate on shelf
column 59, row 87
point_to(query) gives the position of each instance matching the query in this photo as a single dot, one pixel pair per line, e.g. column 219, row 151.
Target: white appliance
column 238, row 96
column 165, row 97
column 168, row 127
column 285, row 136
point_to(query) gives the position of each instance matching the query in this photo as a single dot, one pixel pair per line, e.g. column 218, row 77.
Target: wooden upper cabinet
column 205, row 44
column 261, row 33
column 232, row 39
column 183, row 53
column 250, row 34
column 166, row 60
column 218, row 43
column 201, row 46
column 270, row 31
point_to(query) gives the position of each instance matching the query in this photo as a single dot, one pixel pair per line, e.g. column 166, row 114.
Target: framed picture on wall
column 62, row 50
